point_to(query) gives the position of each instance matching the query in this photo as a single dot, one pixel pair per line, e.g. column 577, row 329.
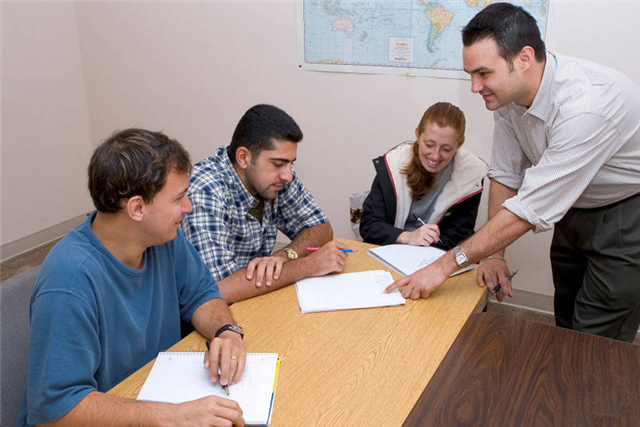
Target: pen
column 509, row 277
column 343, row 250
column 224, row 387
column 424, row 223
column 419, row 219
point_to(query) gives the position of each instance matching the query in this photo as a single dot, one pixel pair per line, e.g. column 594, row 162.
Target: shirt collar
column 541, row 107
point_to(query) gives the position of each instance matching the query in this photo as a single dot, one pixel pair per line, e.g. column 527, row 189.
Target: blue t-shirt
column 95, row 321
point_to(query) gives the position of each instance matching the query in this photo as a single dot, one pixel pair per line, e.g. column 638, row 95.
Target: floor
column 26, row 261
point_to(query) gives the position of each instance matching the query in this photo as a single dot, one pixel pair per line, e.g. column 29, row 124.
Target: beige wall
column 192, row 69
column 46, row 141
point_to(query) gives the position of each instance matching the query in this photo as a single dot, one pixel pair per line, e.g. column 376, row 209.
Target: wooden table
column 504, row 371
column 353, row 367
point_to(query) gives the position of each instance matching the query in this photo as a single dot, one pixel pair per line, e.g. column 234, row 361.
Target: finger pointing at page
column 397, row 284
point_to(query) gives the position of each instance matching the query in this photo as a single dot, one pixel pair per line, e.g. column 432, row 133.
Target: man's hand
column 421, row 283
column 328, row 259
column 266, row 269
column 208, row 411
column 494, row 271
column 228, row 352
column 426, row 235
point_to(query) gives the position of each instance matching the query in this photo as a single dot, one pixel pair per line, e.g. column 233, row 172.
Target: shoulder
column 581, row 86
column 469, row 165
column 469, row 160
column 213, row 177
column 70, row 266
column 399, row 155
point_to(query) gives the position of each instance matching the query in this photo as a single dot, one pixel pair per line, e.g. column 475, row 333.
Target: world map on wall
column 413, row 34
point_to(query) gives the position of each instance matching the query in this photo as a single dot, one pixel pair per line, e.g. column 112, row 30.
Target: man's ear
column 526, row 58
column 243, row 157
column 135, row 208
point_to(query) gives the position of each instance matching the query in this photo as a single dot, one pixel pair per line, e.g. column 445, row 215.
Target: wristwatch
column 230, row 327
column 291, row 253
column 460, row 257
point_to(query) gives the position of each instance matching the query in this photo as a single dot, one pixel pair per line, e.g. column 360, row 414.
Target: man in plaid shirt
column 244, row 194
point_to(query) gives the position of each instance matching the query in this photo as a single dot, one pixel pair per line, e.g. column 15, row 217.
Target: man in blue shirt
column 111, row 295
column 242, row 196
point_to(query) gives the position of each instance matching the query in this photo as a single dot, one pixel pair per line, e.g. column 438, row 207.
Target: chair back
column 15, row 294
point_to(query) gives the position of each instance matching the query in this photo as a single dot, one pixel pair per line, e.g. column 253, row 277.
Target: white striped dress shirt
column 578, row 145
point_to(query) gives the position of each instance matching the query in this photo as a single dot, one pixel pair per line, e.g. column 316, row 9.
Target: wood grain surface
column 505, row 371
column 352, row 367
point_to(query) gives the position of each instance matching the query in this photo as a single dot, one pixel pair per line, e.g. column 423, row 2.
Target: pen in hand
column 343, row 250
column 224, row 387
column 424, row 223
column 509, row 277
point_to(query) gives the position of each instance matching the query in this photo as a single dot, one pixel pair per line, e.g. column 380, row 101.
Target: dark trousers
column 595, row 260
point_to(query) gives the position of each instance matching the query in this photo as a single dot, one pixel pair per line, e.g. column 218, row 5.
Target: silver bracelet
column 492, row 257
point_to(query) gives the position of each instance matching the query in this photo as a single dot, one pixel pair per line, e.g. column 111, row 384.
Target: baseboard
column 530, row 301
column 17, row 247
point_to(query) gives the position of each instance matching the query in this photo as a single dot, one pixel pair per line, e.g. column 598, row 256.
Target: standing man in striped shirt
column 566, row 153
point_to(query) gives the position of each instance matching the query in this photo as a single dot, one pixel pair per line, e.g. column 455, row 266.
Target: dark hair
column 259, row 126
column 510, row 26
column 444, row 114
column 133, row 162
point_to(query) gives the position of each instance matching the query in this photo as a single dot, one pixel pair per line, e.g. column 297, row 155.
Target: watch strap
column 230, row 327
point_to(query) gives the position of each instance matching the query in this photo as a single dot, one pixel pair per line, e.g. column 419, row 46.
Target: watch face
column 460, row 257
column 291, row 254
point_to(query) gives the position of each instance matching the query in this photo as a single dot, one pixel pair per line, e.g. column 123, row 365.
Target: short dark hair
column 133, row 162
column 259, row 126
column 510, row 26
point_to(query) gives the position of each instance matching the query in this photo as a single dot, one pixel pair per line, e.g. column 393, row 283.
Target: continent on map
column 478, row 3
column 440, row 19
column 343, row 24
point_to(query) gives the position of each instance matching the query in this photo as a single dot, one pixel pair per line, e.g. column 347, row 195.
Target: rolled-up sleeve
column 578, row 148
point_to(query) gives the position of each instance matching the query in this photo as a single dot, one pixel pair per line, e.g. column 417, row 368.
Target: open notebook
column 407, row 259
column 346, row 291
column 179, row 377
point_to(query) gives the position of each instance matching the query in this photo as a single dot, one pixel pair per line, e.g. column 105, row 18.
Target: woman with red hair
column 426, row 192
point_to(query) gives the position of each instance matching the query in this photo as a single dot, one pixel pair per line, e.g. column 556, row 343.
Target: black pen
column 224, row 387
column 509, row 277
column 423, row 223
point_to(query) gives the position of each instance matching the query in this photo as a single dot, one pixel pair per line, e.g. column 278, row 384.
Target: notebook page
column 407, row 259
column 346, row 291
column 180, row 377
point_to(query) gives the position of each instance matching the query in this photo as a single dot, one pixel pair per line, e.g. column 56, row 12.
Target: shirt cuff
column 520, row 209
column 505, row 178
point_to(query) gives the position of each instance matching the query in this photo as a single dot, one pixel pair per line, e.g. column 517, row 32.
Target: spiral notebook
column 179, row 377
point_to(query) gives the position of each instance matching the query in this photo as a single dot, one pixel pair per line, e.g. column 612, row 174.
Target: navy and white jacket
column 387, row 206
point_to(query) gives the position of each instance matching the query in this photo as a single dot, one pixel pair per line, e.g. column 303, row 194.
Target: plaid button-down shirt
column 221, row 228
